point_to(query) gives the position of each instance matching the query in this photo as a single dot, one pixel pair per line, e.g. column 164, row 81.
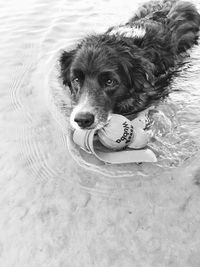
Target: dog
column 129, row 67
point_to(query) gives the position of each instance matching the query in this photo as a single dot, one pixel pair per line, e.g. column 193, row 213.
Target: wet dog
column 128, row 67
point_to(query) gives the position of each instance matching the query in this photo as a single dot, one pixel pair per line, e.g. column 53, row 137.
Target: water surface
column 56, row 213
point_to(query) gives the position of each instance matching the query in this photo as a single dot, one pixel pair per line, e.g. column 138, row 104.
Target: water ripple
column 26, row 94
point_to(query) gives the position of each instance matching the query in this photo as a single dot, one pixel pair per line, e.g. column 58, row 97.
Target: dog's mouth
column 89, row 114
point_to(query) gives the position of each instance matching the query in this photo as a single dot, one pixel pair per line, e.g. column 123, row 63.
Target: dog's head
column 105, row 75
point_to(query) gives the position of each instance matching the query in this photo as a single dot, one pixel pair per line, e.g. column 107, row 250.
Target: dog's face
column 104, row 77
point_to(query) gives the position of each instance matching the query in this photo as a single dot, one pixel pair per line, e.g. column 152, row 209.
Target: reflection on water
column 48, row 201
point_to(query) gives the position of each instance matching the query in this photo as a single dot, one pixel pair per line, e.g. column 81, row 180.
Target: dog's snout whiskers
column 83, row 114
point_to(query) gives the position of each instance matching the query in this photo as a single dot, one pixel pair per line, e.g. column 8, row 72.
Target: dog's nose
column 84, row 119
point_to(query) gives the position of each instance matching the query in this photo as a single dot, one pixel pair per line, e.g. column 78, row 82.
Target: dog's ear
column 65, row 60
column 139, row 73
column 145, row 79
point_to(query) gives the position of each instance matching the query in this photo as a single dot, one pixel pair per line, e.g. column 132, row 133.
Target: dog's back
column 180, row 18
column 151, row 7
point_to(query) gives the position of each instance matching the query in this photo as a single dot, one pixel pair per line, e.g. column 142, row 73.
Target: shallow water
column 56, row 213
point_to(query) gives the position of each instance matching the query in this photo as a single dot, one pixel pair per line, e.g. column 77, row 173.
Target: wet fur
column 142, row 64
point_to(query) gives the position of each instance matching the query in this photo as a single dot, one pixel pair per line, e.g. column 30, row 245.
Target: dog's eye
column 77, row 76
column 110, row 82
column 76, row 80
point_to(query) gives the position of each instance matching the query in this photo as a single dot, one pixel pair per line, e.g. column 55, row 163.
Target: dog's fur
column 127, row 68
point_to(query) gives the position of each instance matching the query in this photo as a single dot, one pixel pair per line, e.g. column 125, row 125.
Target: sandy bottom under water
column 55, row 213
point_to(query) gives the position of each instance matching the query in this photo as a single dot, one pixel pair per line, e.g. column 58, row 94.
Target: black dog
column 127, row 68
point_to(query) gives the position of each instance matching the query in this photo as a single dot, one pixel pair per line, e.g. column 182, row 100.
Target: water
column 138, row 215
